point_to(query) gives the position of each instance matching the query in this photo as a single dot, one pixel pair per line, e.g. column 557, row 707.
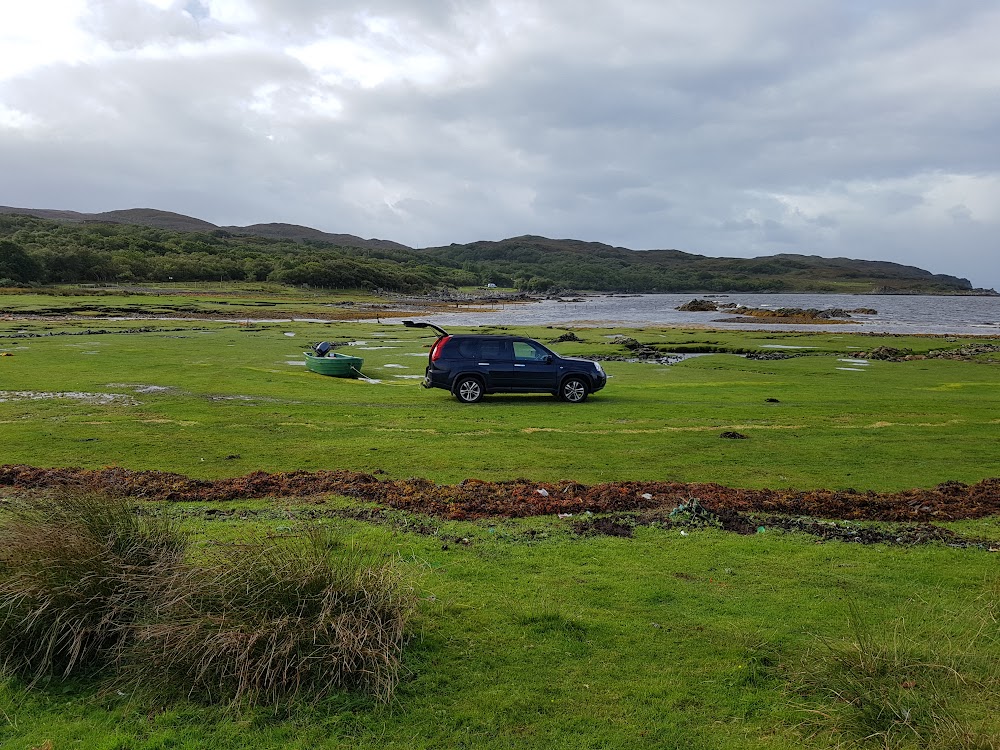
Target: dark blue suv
column 470, row 366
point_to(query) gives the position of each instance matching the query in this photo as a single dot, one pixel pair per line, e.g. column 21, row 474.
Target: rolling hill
column 149, row 244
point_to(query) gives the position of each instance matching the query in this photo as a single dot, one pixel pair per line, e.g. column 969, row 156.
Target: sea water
column 959, row 315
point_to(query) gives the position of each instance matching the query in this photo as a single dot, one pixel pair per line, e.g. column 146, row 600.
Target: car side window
column 494, row 350
column 469, row 349
column 525, row 350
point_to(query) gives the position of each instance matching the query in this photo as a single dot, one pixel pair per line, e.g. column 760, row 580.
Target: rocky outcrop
column 699, row 305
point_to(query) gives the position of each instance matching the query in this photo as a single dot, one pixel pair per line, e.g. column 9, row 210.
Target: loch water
column 900, row 314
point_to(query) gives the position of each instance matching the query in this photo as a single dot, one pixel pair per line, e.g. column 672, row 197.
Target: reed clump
column 75, row 575
column 277, row 620
column 91, row 587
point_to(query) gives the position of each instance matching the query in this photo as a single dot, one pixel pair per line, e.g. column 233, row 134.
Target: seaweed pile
column 474, row 498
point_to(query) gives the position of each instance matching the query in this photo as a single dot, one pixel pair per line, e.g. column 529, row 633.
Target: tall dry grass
column 276, row 620
column 76, row 573
column 90, row 586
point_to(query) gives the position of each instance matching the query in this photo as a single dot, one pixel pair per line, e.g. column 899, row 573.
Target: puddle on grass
column 855, row 361
column 851, row 369
column 401, row 367
column 102, row 399
column 141, row 388
column 373, row 348
column 295, row 362
column 409, row 377
column 785, row 346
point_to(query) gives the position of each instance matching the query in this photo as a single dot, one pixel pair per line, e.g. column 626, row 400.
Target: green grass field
column 528, row 635
column 216, row 400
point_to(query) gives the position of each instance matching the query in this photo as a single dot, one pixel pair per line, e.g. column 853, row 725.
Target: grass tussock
column 88, row 586
column 926, row 685
column 276, row 620
column 75, row 576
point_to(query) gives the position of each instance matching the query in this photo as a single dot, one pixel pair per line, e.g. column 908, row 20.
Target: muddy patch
column 604, row 526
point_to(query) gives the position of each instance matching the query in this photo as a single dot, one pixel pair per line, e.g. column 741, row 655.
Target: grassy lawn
column 528, row 635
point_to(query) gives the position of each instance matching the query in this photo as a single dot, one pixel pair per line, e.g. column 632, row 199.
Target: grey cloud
column 131, row 24
column 644, row 124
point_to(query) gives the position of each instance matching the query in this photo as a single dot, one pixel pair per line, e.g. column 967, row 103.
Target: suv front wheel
column 469, row 390
column 573, row 390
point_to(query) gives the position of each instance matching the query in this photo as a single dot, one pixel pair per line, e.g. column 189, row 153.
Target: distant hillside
column 152, row 217
column 544, row 262
column 297, row 233
column 48, row 246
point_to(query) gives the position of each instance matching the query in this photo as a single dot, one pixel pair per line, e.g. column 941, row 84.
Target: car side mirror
column 548, row 359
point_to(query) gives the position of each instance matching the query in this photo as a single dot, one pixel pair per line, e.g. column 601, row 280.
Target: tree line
column 37, row 251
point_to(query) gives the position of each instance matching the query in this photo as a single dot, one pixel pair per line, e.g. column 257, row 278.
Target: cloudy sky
column 858, row 128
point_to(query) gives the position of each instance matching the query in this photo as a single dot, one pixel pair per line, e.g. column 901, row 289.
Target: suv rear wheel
column 469, row 390
column 573, row 390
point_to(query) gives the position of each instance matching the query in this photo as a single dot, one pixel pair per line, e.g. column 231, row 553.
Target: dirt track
column 473, row 498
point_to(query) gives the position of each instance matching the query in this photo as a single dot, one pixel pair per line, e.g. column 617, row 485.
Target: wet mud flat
column 635, row 503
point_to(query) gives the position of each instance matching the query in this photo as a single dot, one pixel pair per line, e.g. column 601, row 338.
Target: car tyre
column 469, row 390
column 573, row 390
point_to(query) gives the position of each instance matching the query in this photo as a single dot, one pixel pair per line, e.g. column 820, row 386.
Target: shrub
column 75, row 574
column 275, row 620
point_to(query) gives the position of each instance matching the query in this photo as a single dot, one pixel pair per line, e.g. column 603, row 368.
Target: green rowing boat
column 337, row 365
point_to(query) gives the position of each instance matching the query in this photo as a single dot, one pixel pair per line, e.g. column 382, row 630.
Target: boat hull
column 335, row 365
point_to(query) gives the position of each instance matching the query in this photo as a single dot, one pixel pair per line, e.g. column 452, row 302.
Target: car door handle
column 483, row 364
column 520, row 365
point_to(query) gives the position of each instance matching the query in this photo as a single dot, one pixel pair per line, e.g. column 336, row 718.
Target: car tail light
column 438, row 346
